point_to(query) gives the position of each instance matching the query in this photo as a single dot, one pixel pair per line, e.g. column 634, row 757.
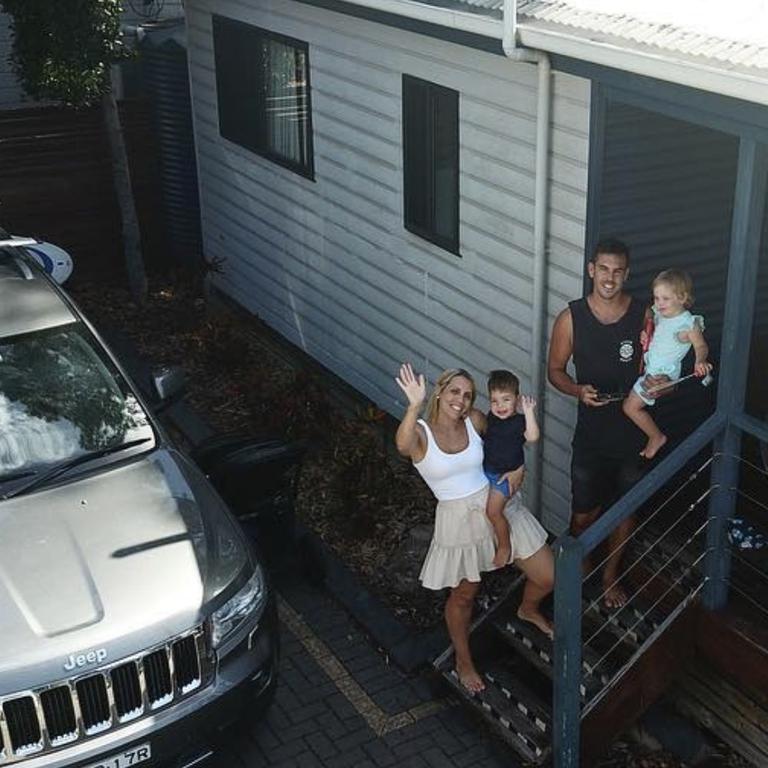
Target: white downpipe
column 540, row 205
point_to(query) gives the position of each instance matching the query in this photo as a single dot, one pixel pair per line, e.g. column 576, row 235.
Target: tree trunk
column 121, row 178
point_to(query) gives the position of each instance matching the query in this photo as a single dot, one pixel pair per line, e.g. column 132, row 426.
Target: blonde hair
column 442, row 382
column 680, row 282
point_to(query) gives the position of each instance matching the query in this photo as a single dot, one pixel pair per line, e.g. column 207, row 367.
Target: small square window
column 431, row 162
column 262, row 84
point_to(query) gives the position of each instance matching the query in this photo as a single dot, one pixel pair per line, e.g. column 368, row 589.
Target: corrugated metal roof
column 735, row 35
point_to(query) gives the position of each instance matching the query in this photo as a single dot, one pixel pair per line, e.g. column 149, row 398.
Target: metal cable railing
column 654, row 577
column 664, row 535
column 674, row 558
column 690, row 479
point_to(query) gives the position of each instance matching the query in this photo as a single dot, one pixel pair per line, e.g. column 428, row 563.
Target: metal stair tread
column 538, row 648
column 529, row 703
column 628, row 620
column 528, row 739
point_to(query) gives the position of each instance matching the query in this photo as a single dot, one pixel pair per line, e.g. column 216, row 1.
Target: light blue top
column 666, row 351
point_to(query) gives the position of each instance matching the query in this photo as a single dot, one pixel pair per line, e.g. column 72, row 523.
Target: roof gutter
column 465, row 21
column 731, row 82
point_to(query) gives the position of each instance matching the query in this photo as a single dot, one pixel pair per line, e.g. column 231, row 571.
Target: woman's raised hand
column 413, row 386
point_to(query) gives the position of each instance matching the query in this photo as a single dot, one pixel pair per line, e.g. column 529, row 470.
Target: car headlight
column 247, row 603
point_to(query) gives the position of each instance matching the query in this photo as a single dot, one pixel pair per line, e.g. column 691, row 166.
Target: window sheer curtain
column 285, row 86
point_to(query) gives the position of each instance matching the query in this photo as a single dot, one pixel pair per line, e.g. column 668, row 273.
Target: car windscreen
column 61, row 396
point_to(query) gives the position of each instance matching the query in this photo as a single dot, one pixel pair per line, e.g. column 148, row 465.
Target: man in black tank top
column 601, row 333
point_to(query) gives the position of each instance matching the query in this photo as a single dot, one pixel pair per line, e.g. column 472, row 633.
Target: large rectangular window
column 262, row 83
column 431, row 161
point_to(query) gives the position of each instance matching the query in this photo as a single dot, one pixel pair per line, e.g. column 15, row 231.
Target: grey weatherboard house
column 408, row 191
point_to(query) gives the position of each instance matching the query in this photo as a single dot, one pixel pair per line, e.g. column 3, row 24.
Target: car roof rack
column 17, row 242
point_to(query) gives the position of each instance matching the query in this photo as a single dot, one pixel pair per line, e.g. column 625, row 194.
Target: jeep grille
column 42, row 720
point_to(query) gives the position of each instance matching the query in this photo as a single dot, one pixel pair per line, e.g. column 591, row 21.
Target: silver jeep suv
column 134, row 616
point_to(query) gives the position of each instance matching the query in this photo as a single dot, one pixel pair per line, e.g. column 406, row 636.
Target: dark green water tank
column 163, row 56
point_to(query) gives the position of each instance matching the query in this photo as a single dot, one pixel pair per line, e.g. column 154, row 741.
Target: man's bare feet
column 534, row 616
column 469, row 678
column 653, row 446
column 614, row 596
column 501, row 558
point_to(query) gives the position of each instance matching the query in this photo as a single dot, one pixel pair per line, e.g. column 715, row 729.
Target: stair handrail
column 631, row 501
column 570, row 552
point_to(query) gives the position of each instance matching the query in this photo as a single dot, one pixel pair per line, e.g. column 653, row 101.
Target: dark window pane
column 262, row 82
column 446, row 164
column 431, row 161
column 416, row 146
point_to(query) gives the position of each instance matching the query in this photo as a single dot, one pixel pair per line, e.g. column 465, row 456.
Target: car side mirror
column 169, row 382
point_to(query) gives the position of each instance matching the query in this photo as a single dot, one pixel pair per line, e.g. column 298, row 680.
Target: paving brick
column 301, row 712
column 350, row 758
column 414, row 761
column 435, row 757
column 357, row 738
column 332, row 726
column 286, row 751
column 415, row 746
column 264, row 735
column 380, row 753
column 298, row 731
column 302, row 760
column 321, row 745
column 447, row 741
column 317, row 692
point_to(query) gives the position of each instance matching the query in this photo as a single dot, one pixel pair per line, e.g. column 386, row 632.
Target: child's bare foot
column 501, row 558
column 469, row 678
column 653, row 446
column 534, row 616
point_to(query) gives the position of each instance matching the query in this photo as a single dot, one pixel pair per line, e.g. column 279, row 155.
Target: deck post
column 566, row 693
column 725, row 477
column 746, row 232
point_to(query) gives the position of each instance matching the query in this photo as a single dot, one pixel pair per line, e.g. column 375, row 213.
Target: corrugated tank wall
column 12, row 95
column 329, row 264
column 11, row 92
column 667, row 190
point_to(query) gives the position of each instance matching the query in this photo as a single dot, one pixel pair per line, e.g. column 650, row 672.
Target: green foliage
column 62, row 49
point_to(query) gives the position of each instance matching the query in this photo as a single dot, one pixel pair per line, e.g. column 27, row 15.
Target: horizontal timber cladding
column 329, row 264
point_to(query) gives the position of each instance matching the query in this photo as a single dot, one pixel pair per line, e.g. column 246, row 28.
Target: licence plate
column 130, row 757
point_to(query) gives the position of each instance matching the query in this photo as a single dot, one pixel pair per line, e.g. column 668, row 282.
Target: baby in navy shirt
column 506, row 433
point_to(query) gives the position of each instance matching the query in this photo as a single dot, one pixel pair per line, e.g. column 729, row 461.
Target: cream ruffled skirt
column 463, row 544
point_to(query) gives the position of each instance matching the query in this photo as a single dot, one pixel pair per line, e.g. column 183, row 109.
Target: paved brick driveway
column 340, row 704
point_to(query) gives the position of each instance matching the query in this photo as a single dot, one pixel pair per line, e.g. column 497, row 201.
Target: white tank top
column 453, row 475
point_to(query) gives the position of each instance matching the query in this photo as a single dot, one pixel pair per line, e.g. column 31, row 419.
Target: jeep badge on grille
column 96, row 656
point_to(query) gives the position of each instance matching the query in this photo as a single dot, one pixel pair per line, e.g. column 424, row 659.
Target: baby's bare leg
column 495, row 513
column 635, row 409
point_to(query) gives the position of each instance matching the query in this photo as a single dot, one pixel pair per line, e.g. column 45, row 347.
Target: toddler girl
column 675, row 331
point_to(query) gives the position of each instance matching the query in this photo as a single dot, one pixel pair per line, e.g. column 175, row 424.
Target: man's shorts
column 598, row 480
